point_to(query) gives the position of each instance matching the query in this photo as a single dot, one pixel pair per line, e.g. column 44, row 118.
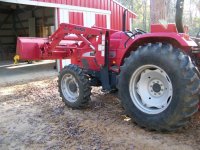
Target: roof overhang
column 125, row 8
column 55, row 5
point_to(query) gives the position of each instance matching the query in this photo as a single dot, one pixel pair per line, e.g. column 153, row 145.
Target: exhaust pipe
column 124, row 20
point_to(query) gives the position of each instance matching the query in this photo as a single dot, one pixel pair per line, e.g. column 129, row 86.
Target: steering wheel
column 140, row 31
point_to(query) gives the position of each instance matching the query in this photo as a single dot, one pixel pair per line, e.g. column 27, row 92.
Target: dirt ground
column 32, row 116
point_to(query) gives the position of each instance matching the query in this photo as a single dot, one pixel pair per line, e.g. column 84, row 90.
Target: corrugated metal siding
column 100, row 21
column 117, row 16
column 73, row 18
column 116, row 11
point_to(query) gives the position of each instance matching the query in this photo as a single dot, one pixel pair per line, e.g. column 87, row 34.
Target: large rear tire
column 74, row 87
column 158, row 87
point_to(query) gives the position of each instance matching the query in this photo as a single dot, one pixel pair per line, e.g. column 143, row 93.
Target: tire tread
column 189, row 104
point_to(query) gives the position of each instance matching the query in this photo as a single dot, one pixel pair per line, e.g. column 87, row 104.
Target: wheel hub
column 72, row 87
column 150, row 89
column 156, row 88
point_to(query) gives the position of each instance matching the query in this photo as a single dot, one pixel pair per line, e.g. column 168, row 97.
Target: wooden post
column 14, row 24
column 145, row 15
column 5, row 20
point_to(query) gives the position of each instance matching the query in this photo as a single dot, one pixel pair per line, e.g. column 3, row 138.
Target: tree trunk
column 145, row 16
column 158, row 10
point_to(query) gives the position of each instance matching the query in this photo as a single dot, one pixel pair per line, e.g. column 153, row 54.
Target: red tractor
column 156, row 73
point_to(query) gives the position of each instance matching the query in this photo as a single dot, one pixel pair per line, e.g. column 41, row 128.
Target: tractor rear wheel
column 158, row 87
column 74, row 87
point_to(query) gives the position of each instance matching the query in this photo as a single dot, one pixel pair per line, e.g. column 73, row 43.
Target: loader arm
column 66, row 41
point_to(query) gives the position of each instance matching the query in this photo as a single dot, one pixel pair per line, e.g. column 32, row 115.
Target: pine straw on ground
column 34, row 117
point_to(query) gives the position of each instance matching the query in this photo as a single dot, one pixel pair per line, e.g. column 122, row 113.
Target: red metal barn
column 101, row 13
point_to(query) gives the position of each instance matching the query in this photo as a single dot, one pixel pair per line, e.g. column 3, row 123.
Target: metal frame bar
column 80, row 31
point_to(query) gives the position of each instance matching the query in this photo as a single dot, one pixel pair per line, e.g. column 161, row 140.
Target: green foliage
column 192, row 16
column 195, row 27
column 142, row 9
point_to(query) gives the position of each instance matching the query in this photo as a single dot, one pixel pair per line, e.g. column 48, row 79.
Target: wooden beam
column 5, row 11
column 6, row 29
column 6, row 36
column 5, row 20
column 51, row 16
column 8, row 43
column 14, row 25
column 27, row 9
column 20, row 23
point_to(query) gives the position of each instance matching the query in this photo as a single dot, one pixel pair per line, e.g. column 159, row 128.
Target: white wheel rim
column 150, row 89
column 69, row 87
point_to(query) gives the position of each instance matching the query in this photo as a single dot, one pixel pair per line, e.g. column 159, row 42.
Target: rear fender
column 177, row 40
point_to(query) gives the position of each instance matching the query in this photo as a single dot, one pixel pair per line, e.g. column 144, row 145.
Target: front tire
column 74, row 87
column 159, row 87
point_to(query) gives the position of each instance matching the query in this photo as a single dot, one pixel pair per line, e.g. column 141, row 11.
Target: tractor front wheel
column 158, row 87
column 74, row 87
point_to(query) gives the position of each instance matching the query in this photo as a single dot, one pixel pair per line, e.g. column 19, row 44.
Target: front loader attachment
column 30, row 48
column 67, row 41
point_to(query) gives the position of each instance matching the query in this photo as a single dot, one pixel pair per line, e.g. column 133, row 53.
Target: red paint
column 60, row 45
column 58, row 17
column 88, row 47
column 119, row 39
column 73, row 18
column 61, row 65
column 100, row 21
column 162, row 28
column 63, row 44
column 116, row 11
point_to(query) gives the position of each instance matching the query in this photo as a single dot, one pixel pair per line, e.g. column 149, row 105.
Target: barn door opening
column 17, row 20
column 21, row 20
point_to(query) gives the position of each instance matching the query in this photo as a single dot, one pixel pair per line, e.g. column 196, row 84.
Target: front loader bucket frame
column 63, row 43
